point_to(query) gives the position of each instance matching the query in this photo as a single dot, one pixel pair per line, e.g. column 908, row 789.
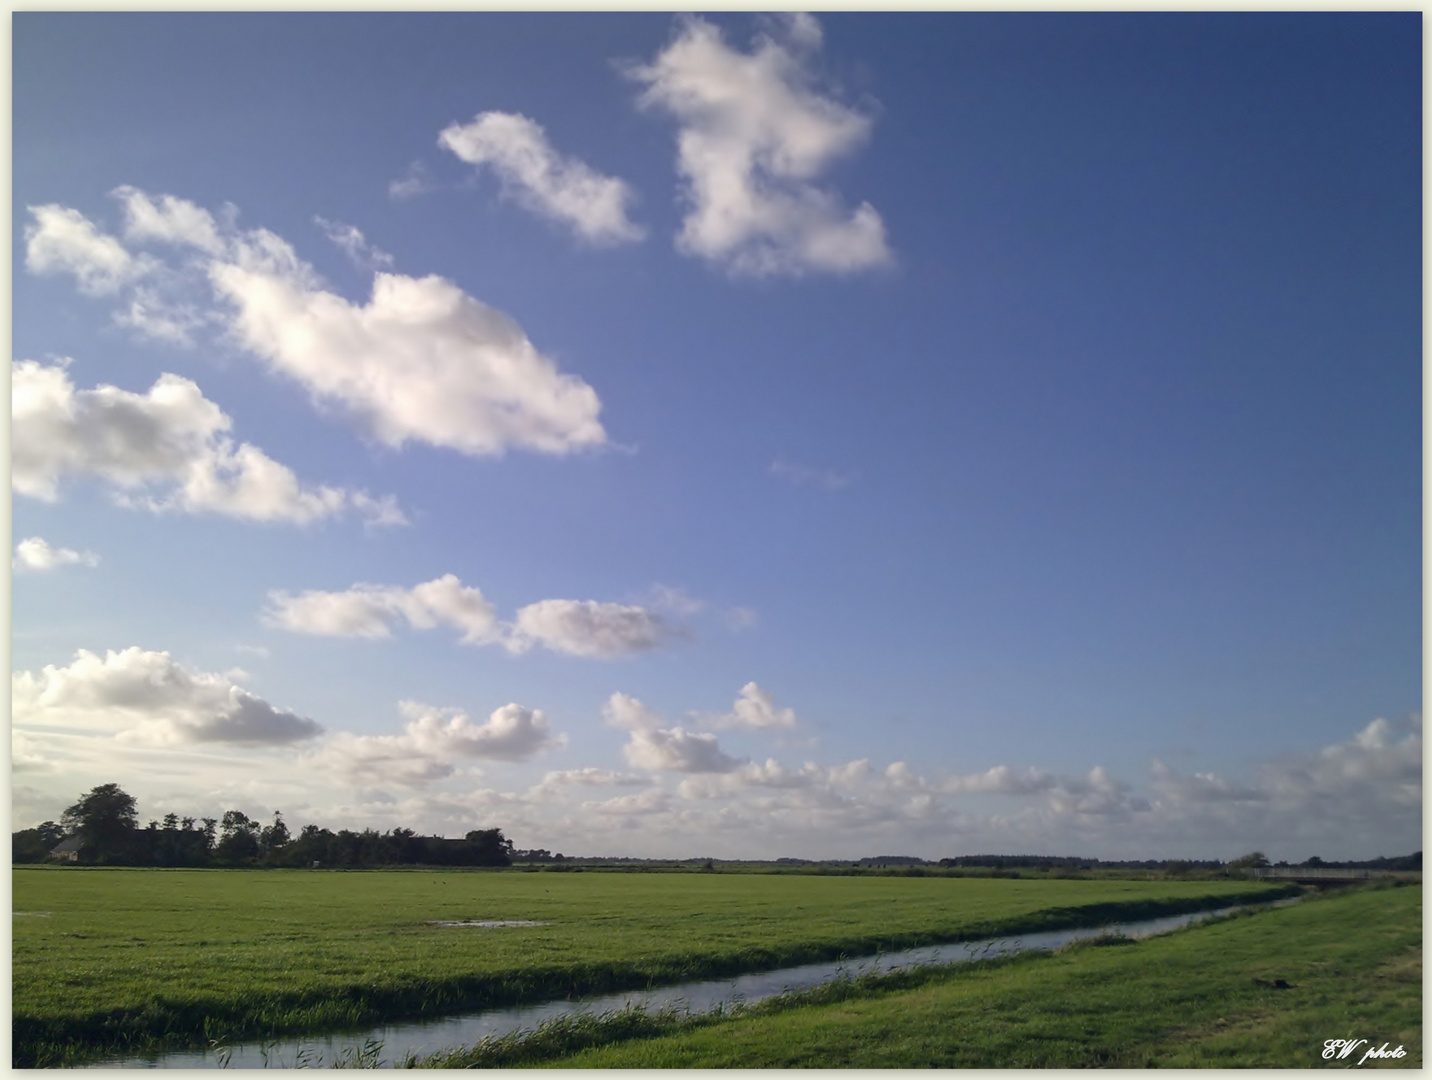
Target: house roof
column 69, row 844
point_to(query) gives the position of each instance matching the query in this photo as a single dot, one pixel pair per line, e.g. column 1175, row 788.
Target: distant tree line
column 1253, row 860
column 102, row 829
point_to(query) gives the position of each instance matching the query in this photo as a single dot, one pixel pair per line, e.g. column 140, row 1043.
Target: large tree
column 107, row 821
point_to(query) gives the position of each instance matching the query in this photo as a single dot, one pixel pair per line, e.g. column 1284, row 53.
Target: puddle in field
column 486, row 924
column 429, row 1036
column 33, row 914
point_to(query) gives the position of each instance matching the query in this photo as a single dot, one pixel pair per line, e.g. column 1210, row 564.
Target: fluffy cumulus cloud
column 1000, row 780
column 652, row 746
column 168, row 220
column 63, row 241
column 419, row 361
column 149, row 698
column 589, row 628
column 368, row 611
column 35, row 554
column 433, row 738
column 167, row 449
column 677, row 750
column 627, row 713
column 1351, row 799
column 755, row 136
column 583, row 628
column 1381, row 764
column 537, row 177
column 754, row 708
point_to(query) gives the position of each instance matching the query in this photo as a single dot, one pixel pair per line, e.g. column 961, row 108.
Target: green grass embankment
column 1266, row 989
column 109, row 961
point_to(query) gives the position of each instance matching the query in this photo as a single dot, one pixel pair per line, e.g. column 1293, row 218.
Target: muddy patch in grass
column 486, row 924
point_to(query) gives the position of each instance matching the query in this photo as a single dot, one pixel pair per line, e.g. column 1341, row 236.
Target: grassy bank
column 1261, row 990
column 111, row 960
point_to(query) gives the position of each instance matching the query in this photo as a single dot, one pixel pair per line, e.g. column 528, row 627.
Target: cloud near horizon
column 148, row 698
column 433, row 737
column 754, row 138
column 690, row 787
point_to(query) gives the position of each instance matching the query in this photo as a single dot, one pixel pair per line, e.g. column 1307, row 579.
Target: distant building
column 68, row 850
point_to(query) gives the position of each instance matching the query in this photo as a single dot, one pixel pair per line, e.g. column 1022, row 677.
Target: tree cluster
column 105, row 823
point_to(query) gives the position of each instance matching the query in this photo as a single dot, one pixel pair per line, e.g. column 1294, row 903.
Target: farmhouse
column 68, row 850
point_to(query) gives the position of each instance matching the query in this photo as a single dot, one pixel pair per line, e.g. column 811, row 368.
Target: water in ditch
column 424, row 1037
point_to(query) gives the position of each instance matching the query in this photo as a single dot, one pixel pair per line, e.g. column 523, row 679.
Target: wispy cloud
column 809, row 476
column 412, row 183
column 351, row 241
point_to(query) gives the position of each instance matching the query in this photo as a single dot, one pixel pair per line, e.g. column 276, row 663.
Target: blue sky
column 725, row 435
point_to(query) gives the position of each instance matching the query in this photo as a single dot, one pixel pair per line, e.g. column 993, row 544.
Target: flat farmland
column 109, row 959
column 1265, row 990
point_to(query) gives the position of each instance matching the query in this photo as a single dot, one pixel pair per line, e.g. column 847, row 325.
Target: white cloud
column 540, row 179
column 575, row 627
column 354, row 244
column 61, row 240
column 562, row 785
column 154, row 315
column 35, row 553
column 433, row 737
column 1179, row 788
column 654, row 801
column 1375, row 766
column 420, row 361
column 26, row 754
column 676, row 750
column 369, row 610
column 164, row 450
column 148, row 698
column 806, row 476
column 1000, row 780
column 589, row 628
column 755, row 708
column 168, row 220
column 754, row 137
column 629, row 714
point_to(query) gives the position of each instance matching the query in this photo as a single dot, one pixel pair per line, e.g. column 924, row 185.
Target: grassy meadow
column 1265, row 989
column 114, row 959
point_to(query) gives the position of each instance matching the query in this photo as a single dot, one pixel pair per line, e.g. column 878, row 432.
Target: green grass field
column 121, row 959
column 1350, row 964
